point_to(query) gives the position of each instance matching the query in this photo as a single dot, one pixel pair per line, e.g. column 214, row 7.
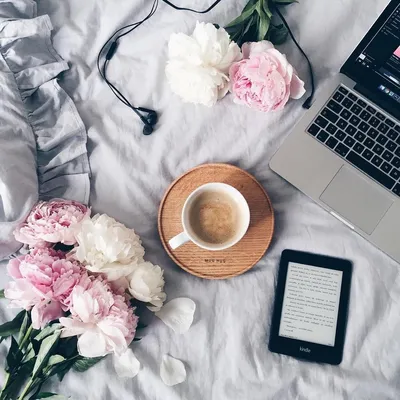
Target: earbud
column 148, row 129
column 149, row 120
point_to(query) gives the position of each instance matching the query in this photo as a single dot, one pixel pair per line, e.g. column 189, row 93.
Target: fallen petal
column 172, row 371
column 126, row 365
column 178, row 314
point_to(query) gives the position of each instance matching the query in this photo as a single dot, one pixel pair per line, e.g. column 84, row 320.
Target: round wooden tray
column 225, row 263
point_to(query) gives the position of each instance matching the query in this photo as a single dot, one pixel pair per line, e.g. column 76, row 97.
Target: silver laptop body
column 347, row 181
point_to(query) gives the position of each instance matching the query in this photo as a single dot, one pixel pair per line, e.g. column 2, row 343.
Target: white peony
column 198, row 65
column 108, row 247
column 146, row 283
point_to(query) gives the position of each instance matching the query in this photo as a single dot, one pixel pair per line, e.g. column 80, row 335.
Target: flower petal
column 126, row 365
column 172, row 371
column 178, row 314
column 92, row 344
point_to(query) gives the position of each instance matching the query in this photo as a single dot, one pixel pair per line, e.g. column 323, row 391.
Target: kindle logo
column 305, row 349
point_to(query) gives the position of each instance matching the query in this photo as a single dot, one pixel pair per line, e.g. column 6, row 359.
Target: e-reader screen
column 311, row 304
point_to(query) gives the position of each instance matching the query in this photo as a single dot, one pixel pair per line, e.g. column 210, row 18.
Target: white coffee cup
column 189, row 234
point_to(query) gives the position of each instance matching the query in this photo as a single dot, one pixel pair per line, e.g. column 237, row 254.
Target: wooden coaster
column 225, row 263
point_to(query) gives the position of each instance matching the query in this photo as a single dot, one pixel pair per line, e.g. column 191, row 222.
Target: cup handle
column 178, row 240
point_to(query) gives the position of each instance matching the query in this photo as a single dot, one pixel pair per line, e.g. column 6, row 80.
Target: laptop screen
column 375, row 63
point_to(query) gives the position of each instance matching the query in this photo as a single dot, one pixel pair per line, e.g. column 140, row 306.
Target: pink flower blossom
column 43, row 282
column 103, row 321
column 264, row 79
column 52, row 222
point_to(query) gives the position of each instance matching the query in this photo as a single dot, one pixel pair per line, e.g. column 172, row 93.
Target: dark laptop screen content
column 381, row 56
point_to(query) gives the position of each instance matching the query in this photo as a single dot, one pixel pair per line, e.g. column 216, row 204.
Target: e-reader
column 311, row 303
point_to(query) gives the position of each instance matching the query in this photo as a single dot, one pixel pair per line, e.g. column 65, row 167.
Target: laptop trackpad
column 358, row 200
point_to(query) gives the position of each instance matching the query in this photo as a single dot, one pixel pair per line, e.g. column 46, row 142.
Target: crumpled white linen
column 225, row 351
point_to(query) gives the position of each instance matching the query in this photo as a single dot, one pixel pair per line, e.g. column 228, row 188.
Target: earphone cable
column 307, row 104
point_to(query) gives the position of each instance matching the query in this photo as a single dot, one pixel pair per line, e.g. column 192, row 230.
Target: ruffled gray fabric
column 42, row 137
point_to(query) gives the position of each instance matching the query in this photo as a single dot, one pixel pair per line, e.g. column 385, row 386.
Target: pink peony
column 57, row 221
column 264, row 79
column 102, row 320
column 43, row 282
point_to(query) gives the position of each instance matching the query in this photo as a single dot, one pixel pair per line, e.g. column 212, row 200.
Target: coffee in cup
column 215, row 217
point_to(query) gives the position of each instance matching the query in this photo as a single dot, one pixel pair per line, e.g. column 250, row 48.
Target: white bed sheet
column 225, row 351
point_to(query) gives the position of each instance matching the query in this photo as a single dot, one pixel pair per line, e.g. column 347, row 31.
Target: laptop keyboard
column 362, row 135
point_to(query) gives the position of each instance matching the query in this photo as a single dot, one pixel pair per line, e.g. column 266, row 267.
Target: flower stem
column 26, row 337
column 26, row 390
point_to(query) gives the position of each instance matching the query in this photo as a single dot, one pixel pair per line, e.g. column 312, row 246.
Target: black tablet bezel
column 299, row 348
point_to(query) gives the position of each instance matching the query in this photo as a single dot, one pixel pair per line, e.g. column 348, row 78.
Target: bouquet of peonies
column 203, row 67
column 78, row 284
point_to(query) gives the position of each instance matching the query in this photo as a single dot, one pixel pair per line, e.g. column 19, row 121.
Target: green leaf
column 82, row 364
column 67, row 347
column 244, row 16
column 249, row 5
column 56, row 359
column 50, row 396
column 47, row 331
column 12, row 327
column 18, row 380
column 63, row 368
column 24, row 327
column 285, row 2
column 278, row 34
column 264, row 23
column 266, row 8
column 46, row 347
column 14, row 356
column 2, row 294
column 29, row 353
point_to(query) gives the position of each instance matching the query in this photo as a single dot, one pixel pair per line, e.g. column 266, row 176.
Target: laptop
column 345, row 152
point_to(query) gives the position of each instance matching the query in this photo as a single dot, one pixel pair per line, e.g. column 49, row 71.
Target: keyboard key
column 372, row 133
column 335, row 106
column 392, row 134
column 362, row 103
column 363, row 127
column 340, row 135
column 338, row 96
column 353, row 97
column 374, row 122
column 341, row 123
column 397, row 128
column 396, row 190
column 396, row 162
column 351, row 130
column 382, row 139
column 341, row 149
column 369, row 143
column 360, row 136
column 330, row 115
column 390, row 122
column 343, row 90
column 376, row 160
column 322, row 122
column 398, row 140
column 359, row 148
column 365, row 115
column 391, row 145
column 367, row 154
column 332, row 142
column 346, row 114
column 380, row 116
column 387, row 155
column 355, row 120
column 331, row 129
column 356, row 109
column 386, row 167
column 370, row 170
column 349, row 141
column 397, row 152
column 383, row 128
column 378, row 149
column 395, row 174
column 322, row 136
column 347, row 103
column 371, row 110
